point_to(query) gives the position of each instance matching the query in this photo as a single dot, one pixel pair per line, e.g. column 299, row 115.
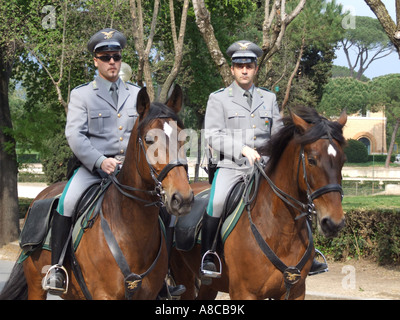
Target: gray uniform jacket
column 230, row 123
column 96, row 127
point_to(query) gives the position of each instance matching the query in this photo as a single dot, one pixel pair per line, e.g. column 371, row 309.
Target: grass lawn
column 371, row 203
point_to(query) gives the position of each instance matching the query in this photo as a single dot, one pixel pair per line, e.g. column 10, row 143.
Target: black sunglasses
column 116, row 57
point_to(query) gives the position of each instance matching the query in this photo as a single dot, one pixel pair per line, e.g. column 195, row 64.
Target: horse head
column 161, row 139
column 319, row 166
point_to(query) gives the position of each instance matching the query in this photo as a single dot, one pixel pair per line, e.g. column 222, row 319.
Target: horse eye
column 312, row 162
column 149, row 140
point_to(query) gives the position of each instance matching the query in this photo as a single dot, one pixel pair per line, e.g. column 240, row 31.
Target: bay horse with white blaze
column 129, row 209
column 270, row 251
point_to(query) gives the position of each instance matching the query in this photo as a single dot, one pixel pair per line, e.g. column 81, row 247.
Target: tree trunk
column 178, row 48
column 390, row 27
column 392, row 142
column 296, row 68
column 9, row 229
column 203, row 21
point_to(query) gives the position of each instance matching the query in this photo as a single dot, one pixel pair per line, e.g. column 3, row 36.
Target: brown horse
column 270, row 251
column 127, row 208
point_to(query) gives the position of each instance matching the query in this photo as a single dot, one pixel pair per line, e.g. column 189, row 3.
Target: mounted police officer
column 101, row 115
column 239, row 120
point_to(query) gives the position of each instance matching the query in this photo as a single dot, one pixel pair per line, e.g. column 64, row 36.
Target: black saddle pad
column 37, row 223
column 187, row 228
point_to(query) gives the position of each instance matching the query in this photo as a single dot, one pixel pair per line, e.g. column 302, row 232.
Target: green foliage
column 342, row 72
column 56, row 158
column 368, row 234
column 344, row 93
column 355, row 151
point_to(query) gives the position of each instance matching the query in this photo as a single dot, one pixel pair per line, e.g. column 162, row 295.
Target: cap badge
column 244, row 45
column 108, row 35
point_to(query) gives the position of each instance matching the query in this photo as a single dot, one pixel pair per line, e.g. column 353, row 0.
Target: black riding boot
column 208, row 269
column 61, row 227
column 178, row 290
column 318, row 267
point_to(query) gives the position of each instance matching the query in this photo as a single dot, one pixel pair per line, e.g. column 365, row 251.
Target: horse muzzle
column 330, row 228
column 179, row 205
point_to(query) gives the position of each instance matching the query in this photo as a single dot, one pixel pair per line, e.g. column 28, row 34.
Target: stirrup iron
column 208, row 273
column 52, row 289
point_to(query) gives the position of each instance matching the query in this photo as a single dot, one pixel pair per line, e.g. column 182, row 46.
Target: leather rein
column 133, row 281
column 291, row 274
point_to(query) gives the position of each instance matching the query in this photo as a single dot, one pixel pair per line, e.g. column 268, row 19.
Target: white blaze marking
column 331, row 151
column 167, row 129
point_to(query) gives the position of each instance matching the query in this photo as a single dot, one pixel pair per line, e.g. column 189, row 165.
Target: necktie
column 247, row 94
column 114, row 94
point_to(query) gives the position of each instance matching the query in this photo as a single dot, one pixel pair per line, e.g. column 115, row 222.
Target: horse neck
column 285, row 177
column 131, row 210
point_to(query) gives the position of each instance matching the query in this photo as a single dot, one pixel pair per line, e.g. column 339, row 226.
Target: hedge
column 367, row 234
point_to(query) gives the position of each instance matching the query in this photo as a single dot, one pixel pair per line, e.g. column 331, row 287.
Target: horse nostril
column 331, row 228
column 176, row 200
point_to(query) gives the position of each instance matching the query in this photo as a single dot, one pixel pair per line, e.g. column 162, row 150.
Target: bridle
column 157, row 178
column 291, row 274
column 133, row 281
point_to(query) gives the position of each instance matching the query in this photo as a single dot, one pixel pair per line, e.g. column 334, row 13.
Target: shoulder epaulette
column 82, row 85
column 219, row 90
column 262, row 88
column 132, row 84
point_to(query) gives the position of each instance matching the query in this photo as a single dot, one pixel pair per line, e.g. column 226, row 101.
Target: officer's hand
column 109, row 165
column 250, row 154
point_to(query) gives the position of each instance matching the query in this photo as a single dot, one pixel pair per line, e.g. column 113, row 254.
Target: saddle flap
column 33, row 233
column 187, row 228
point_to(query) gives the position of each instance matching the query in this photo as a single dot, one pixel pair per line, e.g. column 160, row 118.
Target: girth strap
column 132, row 280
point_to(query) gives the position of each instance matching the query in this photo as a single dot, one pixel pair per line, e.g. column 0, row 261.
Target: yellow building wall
column 371, row 127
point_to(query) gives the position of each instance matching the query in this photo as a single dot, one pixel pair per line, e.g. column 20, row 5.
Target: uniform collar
column 241, row 90
column 105, row 84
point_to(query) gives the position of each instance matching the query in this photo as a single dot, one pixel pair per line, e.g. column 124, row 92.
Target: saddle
column 187, row 228
column 36, row 230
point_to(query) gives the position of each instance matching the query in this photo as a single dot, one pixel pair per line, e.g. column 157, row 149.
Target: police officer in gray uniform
column 239, row 120
column 101, row 115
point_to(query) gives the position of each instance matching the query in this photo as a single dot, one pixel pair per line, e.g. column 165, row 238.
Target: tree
column 276, row 20
column 391, row 28
column 384, row 92
column 313, row 37
column 369, row 42
column 344, row 93
column 12, row 19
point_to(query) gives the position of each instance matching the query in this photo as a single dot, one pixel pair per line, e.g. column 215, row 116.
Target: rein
column 133, row 281
column 291, row 274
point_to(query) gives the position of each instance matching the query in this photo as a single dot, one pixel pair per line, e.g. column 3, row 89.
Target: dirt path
column 354, row 279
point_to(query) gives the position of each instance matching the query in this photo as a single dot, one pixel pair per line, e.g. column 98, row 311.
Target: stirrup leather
column 53, row 289
column 208, row 273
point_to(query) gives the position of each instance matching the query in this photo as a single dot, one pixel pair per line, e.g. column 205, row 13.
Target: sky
column 386, row 65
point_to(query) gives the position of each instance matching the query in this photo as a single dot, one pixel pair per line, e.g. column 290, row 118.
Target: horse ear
column 343, row 118
column 142, row 102
column 175, row 100
column 300, row 124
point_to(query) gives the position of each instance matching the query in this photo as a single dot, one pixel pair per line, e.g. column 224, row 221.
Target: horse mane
column 321, row 127
column 159, row 110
